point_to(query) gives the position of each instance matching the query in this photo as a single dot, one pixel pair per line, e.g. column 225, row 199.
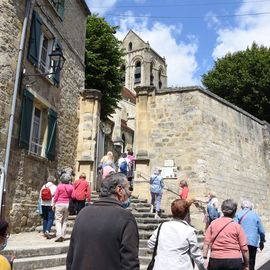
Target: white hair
column 246, row 204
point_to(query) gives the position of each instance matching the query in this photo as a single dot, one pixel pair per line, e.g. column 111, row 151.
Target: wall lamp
column 57, row 61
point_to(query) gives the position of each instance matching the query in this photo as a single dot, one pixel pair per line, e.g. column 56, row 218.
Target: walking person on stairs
column 61, row 201
column 252, row 225
column 46, row 196
column 156, row 189
column 177, row 245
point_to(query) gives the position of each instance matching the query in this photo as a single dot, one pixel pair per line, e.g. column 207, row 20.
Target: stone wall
column 28, row 172
column 215, row 145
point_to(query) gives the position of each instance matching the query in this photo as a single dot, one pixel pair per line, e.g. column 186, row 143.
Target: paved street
column 36, row 240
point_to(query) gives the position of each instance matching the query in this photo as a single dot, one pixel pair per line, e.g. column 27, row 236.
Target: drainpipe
column 13, row 105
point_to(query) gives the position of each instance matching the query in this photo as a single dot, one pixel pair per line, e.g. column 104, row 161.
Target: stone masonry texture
column 215, row 145
column 27, row 172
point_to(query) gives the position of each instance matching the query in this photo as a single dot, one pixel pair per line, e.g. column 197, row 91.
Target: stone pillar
column 88, row 130
column 116, row 134
column 142, row 131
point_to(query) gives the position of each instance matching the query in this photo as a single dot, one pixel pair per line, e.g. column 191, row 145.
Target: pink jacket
column 63, row 193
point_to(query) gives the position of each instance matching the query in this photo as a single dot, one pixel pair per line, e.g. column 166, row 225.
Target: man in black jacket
column 105, row 235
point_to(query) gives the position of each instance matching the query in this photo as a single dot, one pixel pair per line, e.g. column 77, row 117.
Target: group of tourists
column 231, row 240
column 125, row 164
column 56, row 202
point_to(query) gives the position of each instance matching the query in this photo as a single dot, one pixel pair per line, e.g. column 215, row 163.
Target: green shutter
column 60, row 8
column 56, row 76
column 35, row 36
column 51, row 139
column 26, row 119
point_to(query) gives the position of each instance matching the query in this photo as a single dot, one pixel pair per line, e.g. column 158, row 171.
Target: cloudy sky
column 190, row 34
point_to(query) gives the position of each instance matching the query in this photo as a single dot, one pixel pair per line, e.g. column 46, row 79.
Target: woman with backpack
column 46, row 196
column 61, row 200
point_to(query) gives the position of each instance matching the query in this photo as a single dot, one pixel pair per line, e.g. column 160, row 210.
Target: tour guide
column 105, row 235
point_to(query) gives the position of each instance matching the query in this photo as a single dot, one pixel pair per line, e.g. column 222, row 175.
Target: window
column 159, row 78
column 35, row 146
column 151, row 74
column 38, row 127
column 130, row 46
column 137, row 75
column 41, row 44
column 123, row 74
column 59, row 6
column 46, row 45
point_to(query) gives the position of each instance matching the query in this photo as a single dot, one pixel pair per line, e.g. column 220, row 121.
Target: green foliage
column 243, row 78
column 103, row 58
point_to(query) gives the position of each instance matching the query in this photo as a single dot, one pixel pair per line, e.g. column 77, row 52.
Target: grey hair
column 65, row 178
column 110, row 183
column 229, row 208
column 51, row 178
column 157, row 170
column 246, row 204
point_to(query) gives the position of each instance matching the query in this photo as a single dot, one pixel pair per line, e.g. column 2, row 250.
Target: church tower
column 143, row 66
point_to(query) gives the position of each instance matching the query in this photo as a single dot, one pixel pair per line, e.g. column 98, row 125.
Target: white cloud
column 247, row 30
column 180, row 56
column 100, row 7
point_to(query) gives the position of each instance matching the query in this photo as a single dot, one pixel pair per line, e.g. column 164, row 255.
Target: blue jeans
column 48, row 217
column 156, row 197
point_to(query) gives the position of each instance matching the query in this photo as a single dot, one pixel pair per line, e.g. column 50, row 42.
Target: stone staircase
column 50, row 255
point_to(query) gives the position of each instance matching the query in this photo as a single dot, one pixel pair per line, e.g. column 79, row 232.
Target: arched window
column 123, row 74
column 137, row 74
column 151, row 74
column 159, row 78
column 124, row 142
column 130, row 46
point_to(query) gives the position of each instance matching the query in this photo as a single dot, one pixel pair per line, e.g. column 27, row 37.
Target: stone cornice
column 91, row 94
column 144, row 90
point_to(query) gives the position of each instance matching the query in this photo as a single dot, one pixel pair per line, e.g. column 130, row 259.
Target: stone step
column 31, row 263
column 145, row 252
column 145, row 260
column 138, row 205
column 62, row 267
column 151, row 220
column 142, row 209
column 53, row 249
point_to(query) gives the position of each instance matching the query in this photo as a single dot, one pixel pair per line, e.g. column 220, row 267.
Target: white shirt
column 52, row 188
column 176, row 244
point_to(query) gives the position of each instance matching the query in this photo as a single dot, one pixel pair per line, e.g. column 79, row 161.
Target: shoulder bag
column 220, row 232
column 152, row 263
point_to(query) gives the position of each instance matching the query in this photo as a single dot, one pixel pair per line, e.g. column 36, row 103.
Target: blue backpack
column 212, row 213
column 124, row 167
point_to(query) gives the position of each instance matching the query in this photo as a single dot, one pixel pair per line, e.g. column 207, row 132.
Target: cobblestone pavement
column 23, row 241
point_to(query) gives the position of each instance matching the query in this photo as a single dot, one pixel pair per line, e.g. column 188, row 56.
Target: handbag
column 152, row 263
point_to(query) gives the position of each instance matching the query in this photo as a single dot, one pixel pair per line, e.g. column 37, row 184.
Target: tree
column 103, row 58
column 243, row 78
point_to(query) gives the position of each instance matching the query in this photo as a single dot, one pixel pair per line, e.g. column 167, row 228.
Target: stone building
column 44, row 138
column 212, row 143
column 142, row 67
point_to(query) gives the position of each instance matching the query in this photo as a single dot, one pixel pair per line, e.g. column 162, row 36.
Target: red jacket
column 81, row 190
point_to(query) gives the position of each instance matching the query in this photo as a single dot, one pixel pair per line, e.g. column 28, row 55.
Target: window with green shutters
column 38, row 127
column 41, row 44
